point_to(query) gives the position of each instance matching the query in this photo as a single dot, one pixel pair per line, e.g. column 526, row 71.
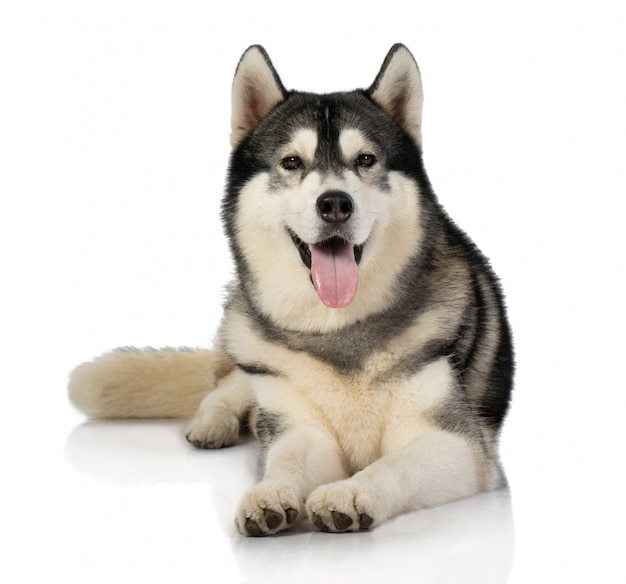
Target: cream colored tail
column 145, row 383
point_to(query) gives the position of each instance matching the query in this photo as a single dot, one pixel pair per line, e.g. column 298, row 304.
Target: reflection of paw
column 268, row 508
column 213, row 427
column 339, row 507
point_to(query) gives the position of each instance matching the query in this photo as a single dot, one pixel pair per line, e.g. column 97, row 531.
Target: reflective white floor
column 130, row 501
column 133, row 500
column 167, row 494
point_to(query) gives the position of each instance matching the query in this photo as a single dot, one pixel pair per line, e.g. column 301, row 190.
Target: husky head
column 323, row 207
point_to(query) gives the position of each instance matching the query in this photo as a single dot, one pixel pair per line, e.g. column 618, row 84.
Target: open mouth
column 334, row 268
column 305, row 248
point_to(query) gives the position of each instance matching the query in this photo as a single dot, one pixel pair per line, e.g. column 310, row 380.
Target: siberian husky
column 364, row 340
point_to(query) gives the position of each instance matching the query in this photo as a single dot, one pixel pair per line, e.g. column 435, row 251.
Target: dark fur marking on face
column 260, row 151
column 257, row 369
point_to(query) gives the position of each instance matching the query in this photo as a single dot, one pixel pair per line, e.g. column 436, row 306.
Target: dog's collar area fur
column 305, row 250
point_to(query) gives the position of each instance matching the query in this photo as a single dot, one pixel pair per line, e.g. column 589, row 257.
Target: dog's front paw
column 268, row 508
column 213, row 427
column 340, row 507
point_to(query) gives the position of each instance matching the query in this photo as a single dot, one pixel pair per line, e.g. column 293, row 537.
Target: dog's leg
column 216, row 423
column 433, row 452
column 436, row 468
column 297, row 461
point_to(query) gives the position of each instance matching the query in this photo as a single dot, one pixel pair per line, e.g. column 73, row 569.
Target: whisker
column 377, row 213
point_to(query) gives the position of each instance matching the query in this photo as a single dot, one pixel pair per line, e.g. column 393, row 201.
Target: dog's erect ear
column 398, row 90
column 256, row 90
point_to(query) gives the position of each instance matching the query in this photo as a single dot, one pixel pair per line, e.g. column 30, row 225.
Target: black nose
column 335, row 206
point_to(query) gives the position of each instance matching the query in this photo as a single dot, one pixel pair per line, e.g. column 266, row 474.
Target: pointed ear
column 398, row 90
column 256, row 90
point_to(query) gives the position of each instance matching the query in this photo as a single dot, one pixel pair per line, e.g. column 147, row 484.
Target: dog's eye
column 366, row 160
column 292, row 163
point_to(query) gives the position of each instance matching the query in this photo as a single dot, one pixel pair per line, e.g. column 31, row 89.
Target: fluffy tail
column 145, row 383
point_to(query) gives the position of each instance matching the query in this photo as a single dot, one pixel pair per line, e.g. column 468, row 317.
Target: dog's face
column 319, row 181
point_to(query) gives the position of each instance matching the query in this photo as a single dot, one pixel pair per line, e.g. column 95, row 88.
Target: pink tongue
column 335, row 273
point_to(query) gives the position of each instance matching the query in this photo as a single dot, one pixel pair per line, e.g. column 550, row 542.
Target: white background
column 114, row 123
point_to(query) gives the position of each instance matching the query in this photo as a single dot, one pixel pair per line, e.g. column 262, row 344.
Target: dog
column 364, row 341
